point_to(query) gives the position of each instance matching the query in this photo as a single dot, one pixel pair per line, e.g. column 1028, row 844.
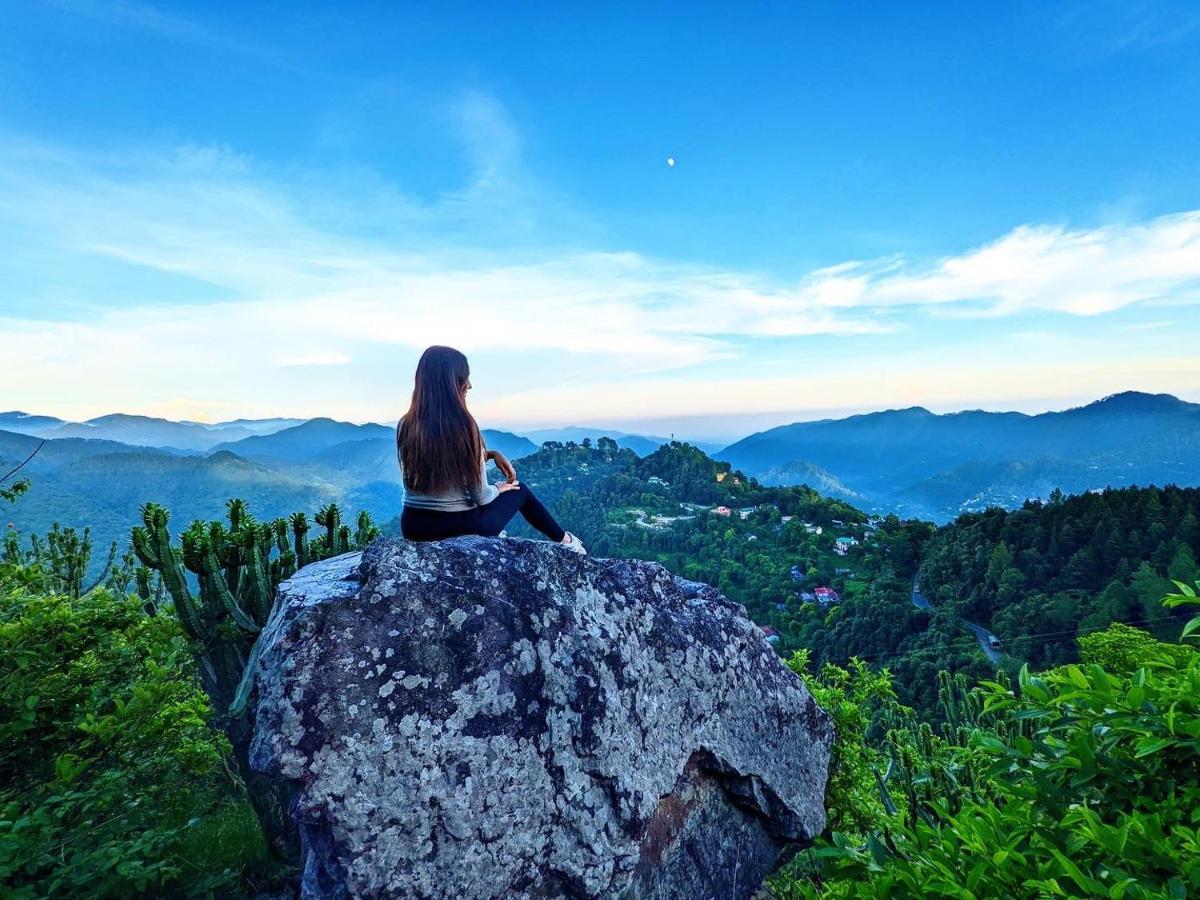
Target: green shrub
column 1086, row 783
column 112, row 781
column 857, row 699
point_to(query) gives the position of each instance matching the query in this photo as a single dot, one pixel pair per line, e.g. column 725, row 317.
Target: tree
column 1077, row 782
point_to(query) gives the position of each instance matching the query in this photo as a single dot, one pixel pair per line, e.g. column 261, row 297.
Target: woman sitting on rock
column 443, row 464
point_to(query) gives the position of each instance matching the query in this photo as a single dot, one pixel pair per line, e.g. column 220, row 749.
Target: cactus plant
column 238, row 566
column 60, row 561
column 366, row 530
column 151, row 597
column 299, row 523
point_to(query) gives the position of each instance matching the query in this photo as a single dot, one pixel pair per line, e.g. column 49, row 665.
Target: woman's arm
column 502, row 463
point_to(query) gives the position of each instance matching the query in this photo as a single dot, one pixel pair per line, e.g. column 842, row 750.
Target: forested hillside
column 1036, row 578
column 1072, row 564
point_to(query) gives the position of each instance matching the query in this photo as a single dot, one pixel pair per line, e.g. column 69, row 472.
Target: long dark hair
column 438, row 441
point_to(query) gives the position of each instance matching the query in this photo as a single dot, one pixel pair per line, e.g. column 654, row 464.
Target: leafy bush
column 1085, row 781
column 112, row 781
column 857, row 699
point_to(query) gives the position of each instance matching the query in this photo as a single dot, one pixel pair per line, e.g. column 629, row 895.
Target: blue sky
column 213, row 211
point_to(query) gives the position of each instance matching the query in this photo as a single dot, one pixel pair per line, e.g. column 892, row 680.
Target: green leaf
column 1077, row 677
column 1148, row 746
column 879, row 852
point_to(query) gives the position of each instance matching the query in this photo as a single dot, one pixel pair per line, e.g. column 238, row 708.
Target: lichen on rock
column 503, row 718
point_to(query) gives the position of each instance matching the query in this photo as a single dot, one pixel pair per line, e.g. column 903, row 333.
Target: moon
column 671, row 161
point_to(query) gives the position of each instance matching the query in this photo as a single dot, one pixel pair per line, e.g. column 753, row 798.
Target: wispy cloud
column 291, row 290
column 1110, row 27
column 154, row 20
column 1053, row 268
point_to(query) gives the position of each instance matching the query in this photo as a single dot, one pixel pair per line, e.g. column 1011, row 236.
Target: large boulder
column 503, row 718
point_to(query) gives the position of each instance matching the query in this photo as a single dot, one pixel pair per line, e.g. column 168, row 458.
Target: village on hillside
column 814, row 547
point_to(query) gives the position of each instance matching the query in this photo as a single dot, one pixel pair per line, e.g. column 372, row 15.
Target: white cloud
column 295, row 292
column 1055, row 269
column 167, row 25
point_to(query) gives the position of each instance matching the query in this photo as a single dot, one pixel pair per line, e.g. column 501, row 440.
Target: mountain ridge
column 1130, row 437
column 907, row 460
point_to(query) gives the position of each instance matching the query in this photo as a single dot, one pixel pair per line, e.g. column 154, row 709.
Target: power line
column 974, row 643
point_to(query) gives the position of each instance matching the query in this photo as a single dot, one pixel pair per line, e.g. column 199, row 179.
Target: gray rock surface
column 502, row 718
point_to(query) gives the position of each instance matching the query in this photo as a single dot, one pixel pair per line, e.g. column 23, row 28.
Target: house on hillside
column 826, row 595
column 770, row 633
column 786, row 519
column 745, row 512
column 843, row 544
column 650, row 526
column 654, row 479
column 810, row 528
column 669, row 520
column 723, row 511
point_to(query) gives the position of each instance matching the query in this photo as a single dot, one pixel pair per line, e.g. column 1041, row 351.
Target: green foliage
column 857, row 699
column 1042, row 575
column 113, row 783
column 1121, row 649
column 238, row 565
column 1043, row 578
column 58, row 563
column 1083, row 781
column 13, row 491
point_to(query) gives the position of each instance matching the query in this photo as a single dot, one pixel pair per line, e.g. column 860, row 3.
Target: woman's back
column 448, row 500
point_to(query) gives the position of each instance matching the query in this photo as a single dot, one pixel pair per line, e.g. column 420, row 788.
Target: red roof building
column 826, row 595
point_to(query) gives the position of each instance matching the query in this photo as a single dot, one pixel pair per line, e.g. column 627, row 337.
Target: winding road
column 987, row 640
column 920, row 601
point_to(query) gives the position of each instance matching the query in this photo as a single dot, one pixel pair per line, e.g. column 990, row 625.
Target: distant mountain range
column 918, row 463
column 143, row 431
column 908, row 461
column 281, row 438
column 91, row 480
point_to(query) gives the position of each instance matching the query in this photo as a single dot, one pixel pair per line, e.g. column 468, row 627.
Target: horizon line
column 824, row 415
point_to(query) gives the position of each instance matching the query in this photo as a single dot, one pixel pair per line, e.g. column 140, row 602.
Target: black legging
column 488, row 520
